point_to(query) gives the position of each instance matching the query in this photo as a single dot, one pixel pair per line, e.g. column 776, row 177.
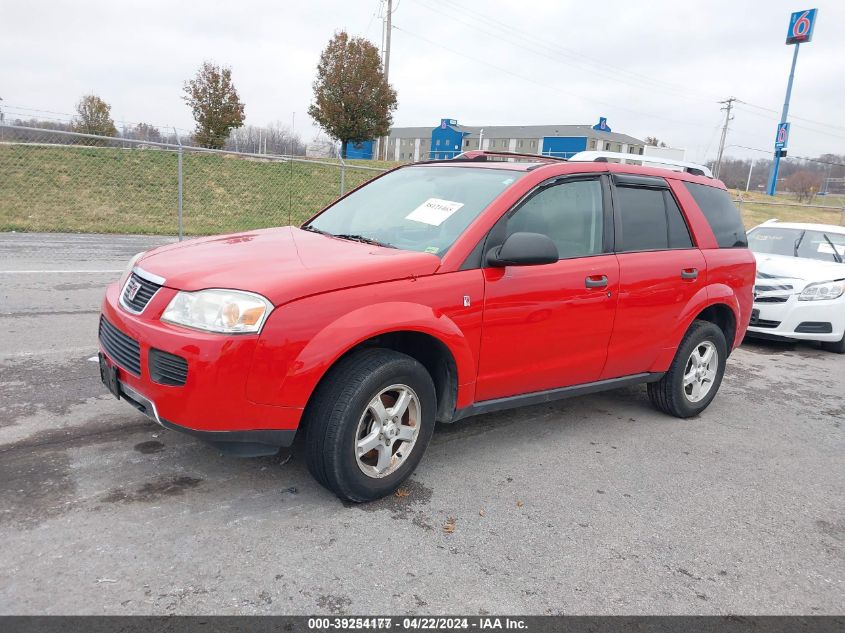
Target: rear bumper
column 800, row 320
column 212, row 404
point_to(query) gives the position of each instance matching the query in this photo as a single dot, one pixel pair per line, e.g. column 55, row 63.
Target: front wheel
column 369, row 423
column 695, row 374
column 837, row 347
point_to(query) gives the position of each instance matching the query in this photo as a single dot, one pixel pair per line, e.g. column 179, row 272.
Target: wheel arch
column 722, row 316
column 429, row 351
column 720, row 309
column 416, row 330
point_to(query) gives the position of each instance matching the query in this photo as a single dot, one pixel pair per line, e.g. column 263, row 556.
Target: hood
column 800, row 270
column 282, row 264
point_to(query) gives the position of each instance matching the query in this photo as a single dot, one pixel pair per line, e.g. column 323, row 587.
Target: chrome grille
column 773, row 290
column 168, row 369
column 137, row 293
column 121, row 348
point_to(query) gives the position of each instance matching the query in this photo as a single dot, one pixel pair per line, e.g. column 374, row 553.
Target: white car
column 800, row 283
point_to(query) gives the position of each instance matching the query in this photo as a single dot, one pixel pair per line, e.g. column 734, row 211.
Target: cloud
column 654, row 69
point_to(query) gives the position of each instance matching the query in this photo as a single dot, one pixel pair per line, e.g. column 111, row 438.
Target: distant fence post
column 179, row 195
column 342, row 174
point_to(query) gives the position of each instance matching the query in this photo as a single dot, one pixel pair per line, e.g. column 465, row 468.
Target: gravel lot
column 592, row 505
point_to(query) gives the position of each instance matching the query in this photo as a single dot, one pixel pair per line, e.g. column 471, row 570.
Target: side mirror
column 523, row 249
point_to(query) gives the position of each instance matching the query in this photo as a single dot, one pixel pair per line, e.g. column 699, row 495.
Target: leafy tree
column 804, row 184
column 352, row 99
column 93, row 116
column 215, row 104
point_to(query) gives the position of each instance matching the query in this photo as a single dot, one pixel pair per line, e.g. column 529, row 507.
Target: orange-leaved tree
column 215, row 104
column 353, row 101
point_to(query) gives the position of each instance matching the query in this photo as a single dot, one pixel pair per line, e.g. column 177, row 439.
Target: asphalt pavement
column 594, row 505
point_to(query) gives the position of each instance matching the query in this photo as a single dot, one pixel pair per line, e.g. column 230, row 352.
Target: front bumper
column 212, row 404
column 800, row 320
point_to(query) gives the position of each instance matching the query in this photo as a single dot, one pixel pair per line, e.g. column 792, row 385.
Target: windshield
column 422, row 208
column 809, row 244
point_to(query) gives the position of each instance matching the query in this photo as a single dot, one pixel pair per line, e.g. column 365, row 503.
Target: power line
column 617, row 73
column 637, row 79
column 540, row 83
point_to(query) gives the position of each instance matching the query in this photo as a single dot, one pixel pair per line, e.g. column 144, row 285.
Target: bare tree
column 145, row 132
column 804, row 185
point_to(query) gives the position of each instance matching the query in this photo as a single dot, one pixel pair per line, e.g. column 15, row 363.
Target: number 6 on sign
column 782, row 137
column 801, row 26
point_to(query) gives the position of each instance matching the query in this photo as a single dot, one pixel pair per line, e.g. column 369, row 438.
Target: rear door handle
column 689, row 273
column 596, row 281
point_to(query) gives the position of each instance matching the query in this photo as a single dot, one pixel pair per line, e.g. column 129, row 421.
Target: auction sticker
column 434, row 211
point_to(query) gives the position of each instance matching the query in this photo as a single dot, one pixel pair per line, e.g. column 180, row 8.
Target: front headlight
column 224, row 311
column 823, row 290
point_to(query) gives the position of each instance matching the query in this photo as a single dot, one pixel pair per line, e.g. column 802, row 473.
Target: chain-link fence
column 53, row 180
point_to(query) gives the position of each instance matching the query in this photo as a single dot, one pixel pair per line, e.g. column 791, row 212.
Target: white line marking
column 49, row 352
column 52, row 272
column 94, row 359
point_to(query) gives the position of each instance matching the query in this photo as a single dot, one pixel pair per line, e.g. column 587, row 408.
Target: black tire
column 668, row 394
column 333, row 414
column 837, row 347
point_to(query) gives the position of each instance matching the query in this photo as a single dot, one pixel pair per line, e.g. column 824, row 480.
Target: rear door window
column 651, row 220
column 721, row 213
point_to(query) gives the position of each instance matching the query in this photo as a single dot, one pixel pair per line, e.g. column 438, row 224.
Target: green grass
column 111, row 190
column 754, row 210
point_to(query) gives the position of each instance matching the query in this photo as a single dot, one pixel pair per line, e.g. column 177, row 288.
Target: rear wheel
column 837, row 347
column 695, row 374
column 369, row 423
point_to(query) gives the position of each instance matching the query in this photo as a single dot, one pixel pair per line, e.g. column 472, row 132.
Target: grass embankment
column 110, row 190
column 754, row 211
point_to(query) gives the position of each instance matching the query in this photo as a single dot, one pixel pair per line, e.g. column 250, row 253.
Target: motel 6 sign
column 801, row 25
column 782, row 137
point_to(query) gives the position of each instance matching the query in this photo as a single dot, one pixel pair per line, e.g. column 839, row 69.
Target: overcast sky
column 652, row 68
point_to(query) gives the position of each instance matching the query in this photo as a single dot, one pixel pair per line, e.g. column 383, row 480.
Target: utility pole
column 729, row 104
column 388, row 27
column 750, row 169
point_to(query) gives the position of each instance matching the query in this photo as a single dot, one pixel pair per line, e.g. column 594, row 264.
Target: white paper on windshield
column 824, row 247
column 434, row 211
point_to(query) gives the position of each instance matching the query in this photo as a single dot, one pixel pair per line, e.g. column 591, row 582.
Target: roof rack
column 481, row 155
column 603, row 157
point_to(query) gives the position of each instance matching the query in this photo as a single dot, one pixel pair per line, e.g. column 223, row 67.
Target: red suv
column 436, row 291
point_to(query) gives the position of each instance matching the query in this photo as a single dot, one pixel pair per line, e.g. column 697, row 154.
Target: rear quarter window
column 721, row 214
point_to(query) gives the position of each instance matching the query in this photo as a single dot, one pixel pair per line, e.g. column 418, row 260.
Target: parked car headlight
column 823, row 290
column 224, row 311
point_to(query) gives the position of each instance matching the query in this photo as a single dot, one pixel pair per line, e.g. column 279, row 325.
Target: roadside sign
column 782, row 136
column 801, row 25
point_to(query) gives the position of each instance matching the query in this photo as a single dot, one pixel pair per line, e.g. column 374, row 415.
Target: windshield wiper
column 314, row 229
column 836, row 256
column 798, row 243
column 362, row 239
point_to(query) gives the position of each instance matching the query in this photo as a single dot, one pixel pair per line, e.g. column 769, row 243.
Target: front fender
column 322, row 348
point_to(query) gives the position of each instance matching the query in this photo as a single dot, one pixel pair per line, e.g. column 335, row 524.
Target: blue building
column 362, row 149
column 450, row 138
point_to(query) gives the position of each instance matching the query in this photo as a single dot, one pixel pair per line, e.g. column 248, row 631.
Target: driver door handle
column 596, row 281
column 689, row 273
